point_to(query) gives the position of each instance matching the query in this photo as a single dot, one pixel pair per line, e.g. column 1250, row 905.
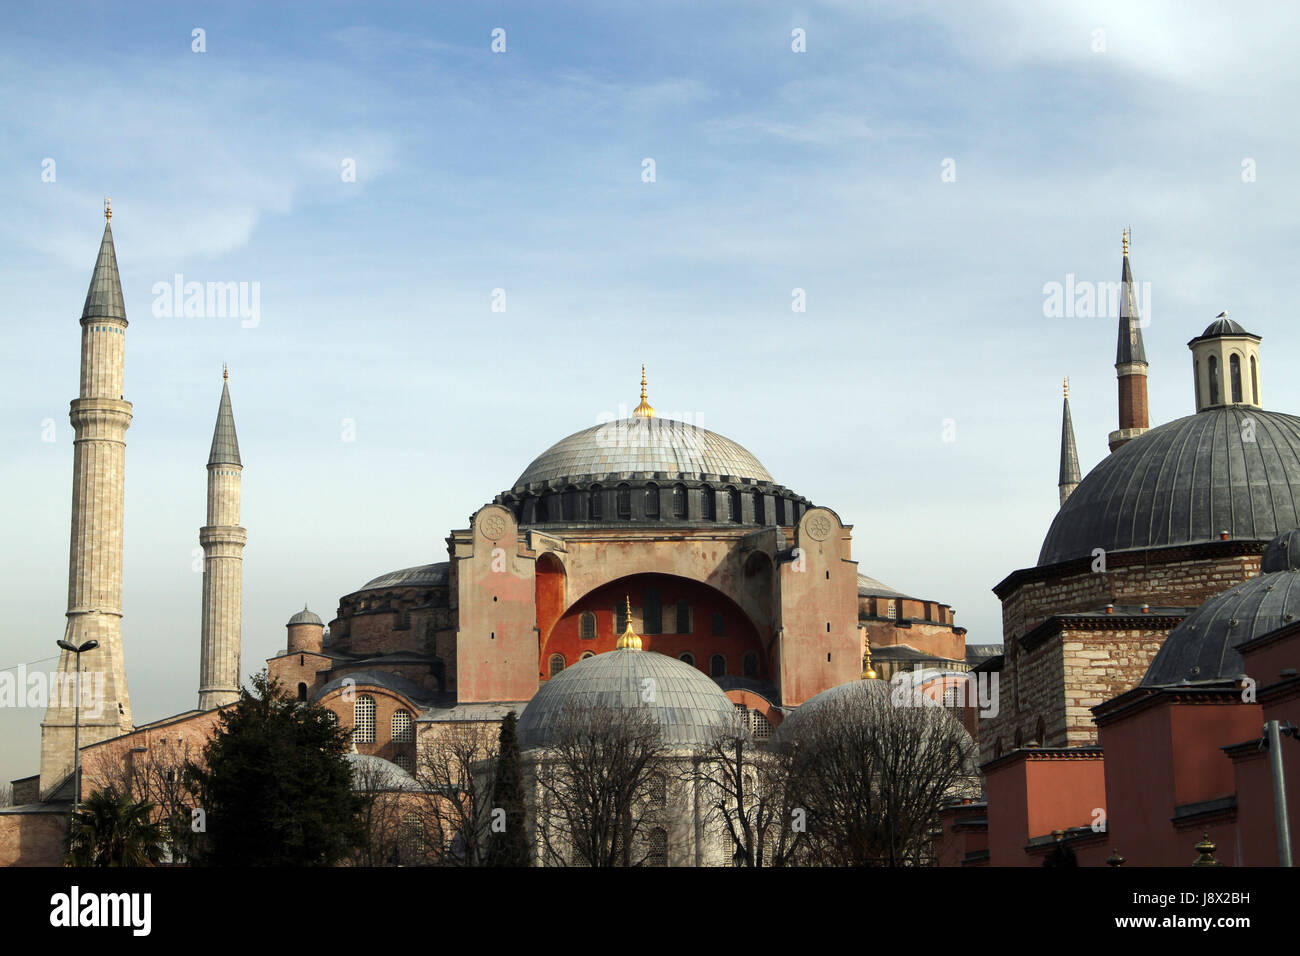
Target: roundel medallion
column 819, row 526
column 493, row 526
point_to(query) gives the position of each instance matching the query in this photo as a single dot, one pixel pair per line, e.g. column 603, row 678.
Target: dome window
column 1214, row 379
column 624, row 499
column 652, row 501
column 733, row 496
column 679, row 501
column 1254, row 381
column 1234, row 366
column 403, row 728
column 595, row 511
column 760, row 512
column 707, row 503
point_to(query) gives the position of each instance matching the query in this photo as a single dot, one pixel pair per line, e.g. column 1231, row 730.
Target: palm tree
column 111, row 829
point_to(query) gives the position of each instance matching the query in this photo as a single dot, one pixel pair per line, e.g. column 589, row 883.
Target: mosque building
column 1155, row 635
column 641, row 523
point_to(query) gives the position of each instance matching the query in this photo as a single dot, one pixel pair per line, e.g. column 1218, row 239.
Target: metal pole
column 76, row 744
column 1283, row 827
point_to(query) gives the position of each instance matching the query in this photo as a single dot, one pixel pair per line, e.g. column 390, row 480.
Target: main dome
column 689, row 707
column 1228, row 468
column 644, row 445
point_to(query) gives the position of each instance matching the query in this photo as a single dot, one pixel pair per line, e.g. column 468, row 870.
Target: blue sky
column 521, row 171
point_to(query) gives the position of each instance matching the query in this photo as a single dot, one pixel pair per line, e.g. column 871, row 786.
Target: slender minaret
column 100, row 418
column 1130, row 362
column 1069, row 476
column 223, row 564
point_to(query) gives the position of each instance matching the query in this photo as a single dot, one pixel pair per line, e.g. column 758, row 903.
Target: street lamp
column 76, row 728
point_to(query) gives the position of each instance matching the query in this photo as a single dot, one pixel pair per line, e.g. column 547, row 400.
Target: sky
column 381, row 178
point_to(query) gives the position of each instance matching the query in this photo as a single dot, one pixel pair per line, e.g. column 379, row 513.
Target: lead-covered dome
column 644, row 445
column 1227, row 468
column 689, row 707
column 1203, row 648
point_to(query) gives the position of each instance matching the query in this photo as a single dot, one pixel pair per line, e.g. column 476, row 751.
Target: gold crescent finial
column 644, row 410
column 1066, row 386
column 1126, row 238
column 628, row 640
column 108, row 208
column 225, row 377
column 868, row 672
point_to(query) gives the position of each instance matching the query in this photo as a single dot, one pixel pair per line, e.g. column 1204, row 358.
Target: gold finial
column 1066, row 385
column 108, row 208
column 628, row 640
column 643, row 410
column 225, row 377
column 1126, row 238
column 868, row 672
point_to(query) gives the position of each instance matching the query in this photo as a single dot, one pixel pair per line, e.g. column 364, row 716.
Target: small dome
column 1222, row 326
column 877, row 695
column 374, row 774
column 647, row 445
column 870, row 587
column 1203, row 649
column 688, row 705
column 1228, row 468
column 423, row 576
column 305, row 617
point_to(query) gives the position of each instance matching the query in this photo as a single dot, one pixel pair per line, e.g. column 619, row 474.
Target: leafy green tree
column 508, row 843
column 111, row 829
column 275, row 784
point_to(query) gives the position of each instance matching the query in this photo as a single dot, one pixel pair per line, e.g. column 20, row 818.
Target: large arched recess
column 550, row 588
column 739, row 635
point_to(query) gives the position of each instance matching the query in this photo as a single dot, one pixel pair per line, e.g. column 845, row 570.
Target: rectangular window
column 717, row 624
column 683, row 618
column 652, row 612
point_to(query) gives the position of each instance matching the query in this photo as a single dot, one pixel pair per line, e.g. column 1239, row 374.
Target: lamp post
column 76, row 729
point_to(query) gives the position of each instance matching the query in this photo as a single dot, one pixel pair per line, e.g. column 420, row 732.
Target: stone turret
column 1225, row 365
column 306, row 632
column 100, row 417
column 223, row 564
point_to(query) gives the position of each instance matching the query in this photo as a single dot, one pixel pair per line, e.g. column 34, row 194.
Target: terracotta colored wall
column 1031, row 796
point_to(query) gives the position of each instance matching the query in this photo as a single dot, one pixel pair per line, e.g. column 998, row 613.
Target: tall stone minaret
column 100, row 418
column 223, row 564
column 1130, row 362
column 1069, row 475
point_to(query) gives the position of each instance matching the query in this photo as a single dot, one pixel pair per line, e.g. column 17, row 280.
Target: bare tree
column 389, row 798
column 748, row 794
column 602, row 785
column 157, row 776
column 6, row 794
column 873, row 776
column 455, row 773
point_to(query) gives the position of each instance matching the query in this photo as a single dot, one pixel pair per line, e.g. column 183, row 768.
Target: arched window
column 683, row 617
column 1214, row 380
column 363, row 719
column 652, row 612
column 679, row 501
column 760, row 511
column 543, row 505
column 1254, row 381
column 707, row 509
column 658, row 855
column 587, row 626
column 749, row 664
column 1234, row 372
column 717, row 666
column 302, row 691
column 733, row 495
column 1196, row 380
column 403, row 729
column 624, row 498
column 652, row 500
column 780, row 510
column 759, row 725
column 658, row 789
column 586, row 654
column 570, row 503
column 595, row 510
column 687, row 658
column 556, row 664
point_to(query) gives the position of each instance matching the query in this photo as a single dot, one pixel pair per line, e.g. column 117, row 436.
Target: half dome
column 1227, row 468
column 643, row 445
column 689, row 707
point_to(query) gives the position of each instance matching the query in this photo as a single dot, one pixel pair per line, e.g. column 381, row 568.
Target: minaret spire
column 1130, row 361
column 223, row 547
column 100, row 418
column 1069, row 476
column 643, row 410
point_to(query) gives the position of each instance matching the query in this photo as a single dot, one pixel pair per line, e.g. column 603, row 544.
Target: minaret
column 1069, row 476
column 1130, row 362
column 223, row 564
column 100, row 418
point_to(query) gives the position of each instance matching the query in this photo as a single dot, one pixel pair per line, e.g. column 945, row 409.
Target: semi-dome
column 1226, row 468
column 643, row 445
column 687, row 704
column 1203, row 648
